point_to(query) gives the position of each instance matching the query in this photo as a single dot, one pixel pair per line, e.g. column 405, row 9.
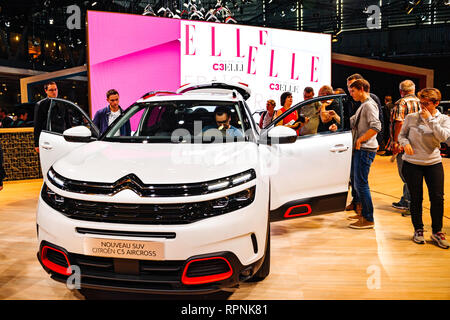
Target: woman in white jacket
column 421, row 135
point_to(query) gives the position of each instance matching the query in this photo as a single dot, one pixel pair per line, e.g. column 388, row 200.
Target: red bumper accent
column 289, row 215
column 206, row 279
column 53, row 266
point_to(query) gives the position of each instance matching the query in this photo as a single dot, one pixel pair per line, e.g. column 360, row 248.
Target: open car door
column 67, row 128
column 310, row 174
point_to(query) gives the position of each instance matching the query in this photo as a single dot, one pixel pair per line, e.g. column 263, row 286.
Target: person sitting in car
column 222, row 116
column 329, row 118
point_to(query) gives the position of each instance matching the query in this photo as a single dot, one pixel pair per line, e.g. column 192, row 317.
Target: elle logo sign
column 259, row 57
column 273, row 56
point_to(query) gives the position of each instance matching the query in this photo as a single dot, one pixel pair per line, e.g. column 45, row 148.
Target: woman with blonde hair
column 420, row 136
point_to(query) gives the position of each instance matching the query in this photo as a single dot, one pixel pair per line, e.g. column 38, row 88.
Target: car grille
column 206, row 268
column 181, row 213
column 162, row 275
column 57, row 258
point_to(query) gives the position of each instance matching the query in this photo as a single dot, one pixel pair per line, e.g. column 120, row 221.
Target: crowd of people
column 411, row 130
column 9, row 120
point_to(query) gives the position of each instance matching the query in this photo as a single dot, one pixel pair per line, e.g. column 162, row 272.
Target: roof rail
column 155, row 93
column 241, row 88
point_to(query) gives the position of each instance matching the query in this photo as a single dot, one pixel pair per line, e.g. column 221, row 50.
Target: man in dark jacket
column 41, row 111
column 105, row 117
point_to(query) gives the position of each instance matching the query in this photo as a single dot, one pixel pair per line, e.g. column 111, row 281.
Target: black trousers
column 434, row 178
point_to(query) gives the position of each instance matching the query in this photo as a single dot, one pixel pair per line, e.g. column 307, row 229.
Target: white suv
column 180, row 204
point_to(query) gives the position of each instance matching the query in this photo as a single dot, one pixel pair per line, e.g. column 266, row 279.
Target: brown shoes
column 362, row 223
column 358, row 209
column 355, row 217
column 350, row 207
column 354, row 206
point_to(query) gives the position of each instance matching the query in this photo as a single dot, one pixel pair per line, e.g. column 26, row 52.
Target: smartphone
column 301, row 118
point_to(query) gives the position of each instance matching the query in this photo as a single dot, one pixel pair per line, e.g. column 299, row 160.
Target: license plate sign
column 126, row 249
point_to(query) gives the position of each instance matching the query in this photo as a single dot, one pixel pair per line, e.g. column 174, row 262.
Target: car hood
column 107, row 162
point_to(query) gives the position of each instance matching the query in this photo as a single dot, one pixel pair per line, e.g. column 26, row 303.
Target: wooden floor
column 312, row 258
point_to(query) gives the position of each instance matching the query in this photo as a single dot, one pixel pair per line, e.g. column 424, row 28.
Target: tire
column 264, row 270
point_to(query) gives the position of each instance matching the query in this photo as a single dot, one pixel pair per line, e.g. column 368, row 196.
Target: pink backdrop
column 132, row 54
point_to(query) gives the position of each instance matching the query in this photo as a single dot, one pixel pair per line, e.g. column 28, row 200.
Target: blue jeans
column 362, row 160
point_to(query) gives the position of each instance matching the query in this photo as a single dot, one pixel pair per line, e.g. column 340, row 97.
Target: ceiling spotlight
column 7, row 24
column 94, row 4
column 50, row 21
column 411, row 5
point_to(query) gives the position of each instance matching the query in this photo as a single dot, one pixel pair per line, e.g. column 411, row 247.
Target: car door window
column 64, row 115
column 320, row 115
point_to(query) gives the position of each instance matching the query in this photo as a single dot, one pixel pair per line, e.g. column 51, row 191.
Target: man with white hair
column 407, row 104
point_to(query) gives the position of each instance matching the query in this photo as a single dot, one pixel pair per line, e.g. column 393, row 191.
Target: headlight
column 231, row 181
column 150, row 190
column 51, row 198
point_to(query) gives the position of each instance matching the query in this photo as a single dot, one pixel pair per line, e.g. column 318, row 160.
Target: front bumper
column 143, row 276
column 238, row 236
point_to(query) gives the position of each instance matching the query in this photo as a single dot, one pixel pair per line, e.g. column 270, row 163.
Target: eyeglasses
column 426, row 103
column 222, row 122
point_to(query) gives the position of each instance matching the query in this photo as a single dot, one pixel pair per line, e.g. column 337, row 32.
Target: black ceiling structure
column 34, row 34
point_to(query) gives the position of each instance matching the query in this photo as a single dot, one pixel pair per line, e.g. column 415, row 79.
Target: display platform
column 313, row 258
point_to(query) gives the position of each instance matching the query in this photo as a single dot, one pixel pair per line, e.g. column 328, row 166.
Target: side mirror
column 78, row 134
column 280, row 135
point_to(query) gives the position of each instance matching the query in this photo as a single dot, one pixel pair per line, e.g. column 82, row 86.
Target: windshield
column 181, row 121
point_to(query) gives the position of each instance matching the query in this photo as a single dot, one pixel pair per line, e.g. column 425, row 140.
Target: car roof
column 208, row 95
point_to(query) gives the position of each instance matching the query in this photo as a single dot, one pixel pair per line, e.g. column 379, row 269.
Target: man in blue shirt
column 222, row 116
column 105, row 117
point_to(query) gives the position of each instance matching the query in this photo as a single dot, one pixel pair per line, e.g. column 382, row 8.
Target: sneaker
column 362, row 223
column 398, row 205
column 355, row 217
column 440, row 240
column 418, row 236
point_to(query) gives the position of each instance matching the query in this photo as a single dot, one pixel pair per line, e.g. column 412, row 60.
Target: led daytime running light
column 54, row 179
